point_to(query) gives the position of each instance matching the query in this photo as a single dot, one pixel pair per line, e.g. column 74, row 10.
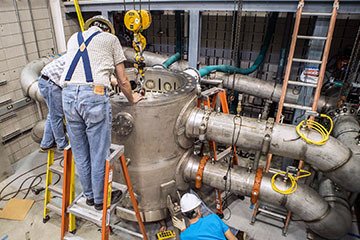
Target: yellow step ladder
column 51, row 188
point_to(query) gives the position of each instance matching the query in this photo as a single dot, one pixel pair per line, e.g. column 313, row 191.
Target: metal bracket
column 336, row 5
column 301, row 4
column 256, row 188
column 204, row 124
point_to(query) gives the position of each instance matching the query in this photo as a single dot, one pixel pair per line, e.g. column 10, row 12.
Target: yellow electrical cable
column 293, row 181
column 317, row 127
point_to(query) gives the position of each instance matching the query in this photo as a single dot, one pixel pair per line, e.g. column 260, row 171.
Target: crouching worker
column 201, row 228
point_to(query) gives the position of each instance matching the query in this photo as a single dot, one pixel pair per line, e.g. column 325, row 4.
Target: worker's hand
column 136, row 97
column 180, row 224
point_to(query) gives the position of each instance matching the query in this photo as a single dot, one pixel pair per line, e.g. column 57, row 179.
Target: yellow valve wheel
column 137, row 21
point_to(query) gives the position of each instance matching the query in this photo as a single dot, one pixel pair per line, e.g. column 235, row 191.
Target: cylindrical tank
column 147, row 130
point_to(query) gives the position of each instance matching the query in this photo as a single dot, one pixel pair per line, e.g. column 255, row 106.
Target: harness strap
column 82, row 53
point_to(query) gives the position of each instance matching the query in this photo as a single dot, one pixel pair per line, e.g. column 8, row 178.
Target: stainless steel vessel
column 147, row 130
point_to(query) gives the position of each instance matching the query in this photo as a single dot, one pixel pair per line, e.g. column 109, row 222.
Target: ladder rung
column 52, row 207
column 55, row 189
column 311, row 37
column 119, row 186
column 316, row 14
column 69, row 236
column 304, row 84
column 307, row 60
column 290, row 105
column 81, row 209
column 128, row 231
column 56, row 168
column 272, row 213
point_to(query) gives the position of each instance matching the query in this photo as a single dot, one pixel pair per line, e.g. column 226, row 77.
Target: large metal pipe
column 152, row 59
column 326, row 220
column 29, row 78
column 270, row 90
column 333, row 158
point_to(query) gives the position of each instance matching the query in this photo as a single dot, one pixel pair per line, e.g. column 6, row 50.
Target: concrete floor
column 239, row 213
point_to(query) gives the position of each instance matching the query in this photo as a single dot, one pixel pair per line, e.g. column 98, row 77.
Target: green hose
column 264, row 47
column 172, row 59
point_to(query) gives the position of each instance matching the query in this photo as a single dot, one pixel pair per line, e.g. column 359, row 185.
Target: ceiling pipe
column 333, row 158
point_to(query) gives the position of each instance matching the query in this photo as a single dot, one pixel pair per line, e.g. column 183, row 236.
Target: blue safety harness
column 82, row 53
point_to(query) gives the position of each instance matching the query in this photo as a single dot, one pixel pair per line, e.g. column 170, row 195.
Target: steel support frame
column 194, row 37
column 347, row 6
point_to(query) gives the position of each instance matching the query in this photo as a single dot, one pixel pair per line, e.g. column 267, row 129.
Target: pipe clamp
column 256, row 188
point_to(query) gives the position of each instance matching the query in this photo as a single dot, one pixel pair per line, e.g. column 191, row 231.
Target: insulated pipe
column 58, row 25
column 29, row 78
column 328, row 221
column 333, row 158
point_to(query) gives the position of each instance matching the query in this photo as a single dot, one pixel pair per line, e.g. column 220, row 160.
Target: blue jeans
column 54, row 127
column 88, row 122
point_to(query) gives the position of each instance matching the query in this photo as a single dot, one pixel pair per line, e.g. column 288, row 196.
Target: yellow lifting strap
column 79, row 15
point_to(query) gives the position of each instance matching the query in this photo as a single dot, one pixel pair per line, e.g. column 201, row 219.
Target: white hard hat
column 189, row 202
column 101, row 19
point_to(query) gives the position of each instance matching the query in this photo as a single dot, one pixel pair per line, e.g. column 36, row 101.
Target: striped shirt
column 54, row 69
column 105, row 52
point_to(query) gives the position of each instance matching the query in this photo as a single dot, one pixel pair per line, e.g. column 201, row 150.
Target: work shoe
column 115, row 198
column 47, row 148
column 90, row 201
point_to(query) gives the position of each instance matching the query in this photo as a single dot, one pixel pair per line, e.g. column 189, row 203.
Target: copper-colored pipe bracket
column 256, row 188
column 200, row 171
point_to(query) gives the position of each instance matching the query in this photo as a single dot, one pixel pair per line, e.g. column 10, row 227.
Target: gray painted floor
column 37, row 230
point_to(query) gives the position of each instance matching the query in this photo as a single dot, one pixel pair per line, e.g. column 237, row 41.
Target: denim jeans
column 88, row 122
column 54, row 127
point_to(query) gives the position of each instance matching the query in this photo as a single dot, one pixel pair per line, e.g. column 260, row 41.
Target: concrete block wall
column 13, row 57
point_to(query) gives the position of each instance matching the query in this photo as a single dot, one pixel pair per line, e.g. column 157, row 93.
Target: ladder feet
column 73, row 232
column 46, row 219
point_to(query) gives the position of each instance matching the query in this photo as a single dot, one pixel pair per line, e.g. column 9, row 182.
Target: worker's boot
column 115, row 198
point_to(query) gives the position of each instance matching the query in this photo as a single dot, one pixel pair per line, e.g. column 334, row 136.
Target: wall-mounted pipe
column 333, row 158
column 328, row 221
column 29, row 78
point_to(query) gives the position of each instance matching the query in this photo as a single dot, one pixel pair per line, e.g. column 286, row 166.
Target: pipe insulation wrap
column 333, row 158
column 306, row 203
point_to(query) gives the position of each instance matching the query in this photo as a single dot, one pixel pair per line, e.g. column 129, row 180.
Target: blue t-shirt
column 209, row 227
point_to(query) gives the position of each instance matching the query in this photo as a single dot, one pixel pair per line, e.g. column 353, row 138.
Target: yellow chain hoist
column 138, row 21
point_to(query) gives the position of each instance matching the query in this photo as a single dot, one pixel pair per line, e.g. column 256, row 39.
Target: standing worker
column 201, row 228
column 93, row 55
column 49, row 86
